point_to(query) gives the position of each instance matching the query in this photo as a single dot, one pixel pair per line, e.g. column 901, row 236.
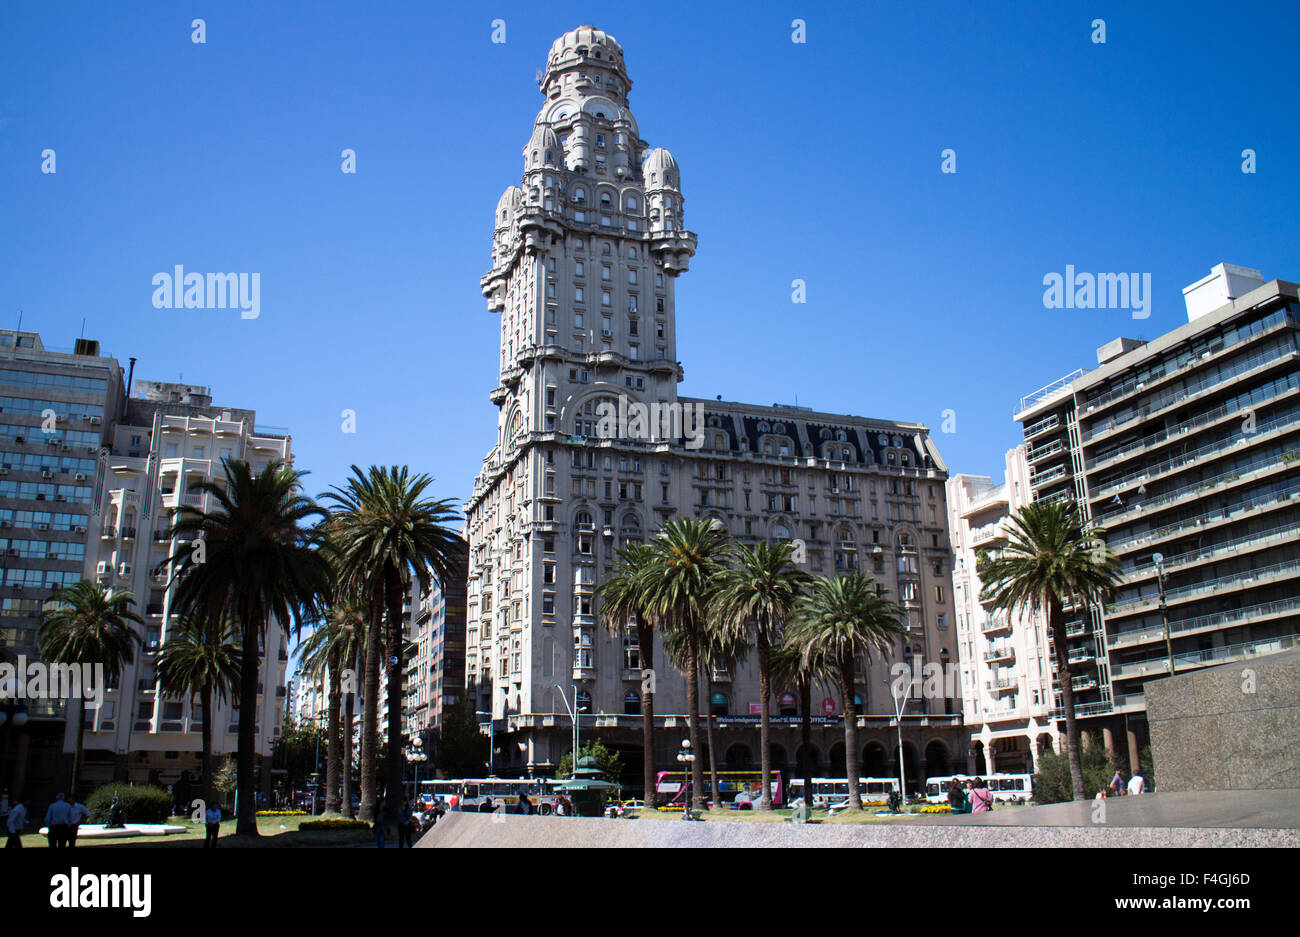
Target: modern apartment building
column 586, row 256
column 435, row 674
column 1005, row 659
column 1186, row 449
column 54, row 407
column 170, row 438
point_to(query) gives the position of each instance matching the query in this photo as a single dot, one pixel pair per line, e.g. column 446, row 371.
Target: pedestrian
column 1101, row 794
column 404, row 825
column 381, row 824
column 14, row 824
column 981, row 798
column 486, row 806
column 525, row 805
column 1117, row 783
column 1137, row 784
column 956, row 799
column 56, row 821
column 78, row 815
column 212, row 822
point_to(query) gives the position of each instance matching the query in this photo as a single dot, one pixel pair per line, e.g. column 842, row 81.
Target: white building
column 1005, row 660
column 171, row 438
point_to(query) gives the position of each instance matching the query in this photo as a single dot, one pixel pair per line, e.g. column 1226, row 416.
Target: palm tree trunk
column 348, row 721
column 645, row 640
column 1056, row 621
column 370, row 714
column 332, row 747
column 205, row 735
column 714, row 793
column 805, row 732
column 245, row 782
column 395, row 762
column 693, row 719
column 851, row 734
column 764, row 723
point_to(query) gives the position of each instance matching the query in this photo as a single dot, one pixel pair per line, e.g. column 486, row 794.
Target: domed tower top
column 660, row 170
column 585, row 46
column 543, row 150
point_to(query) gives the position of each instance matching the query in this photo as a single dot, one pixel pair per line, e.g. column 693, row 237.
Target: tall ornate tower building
column 586, row 254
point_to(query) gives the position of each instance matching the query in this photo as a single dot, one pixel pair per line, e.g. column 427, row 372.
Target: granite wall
column 1235, row 727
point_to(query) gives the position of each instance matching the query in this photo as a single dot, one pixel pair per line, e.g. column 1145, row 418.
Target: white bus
column 1007, row 788
column 835, row 791
column 469, row 794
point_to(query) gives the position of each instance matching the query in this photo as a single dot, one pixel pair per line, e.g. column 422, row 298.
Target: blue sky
column 818, row 161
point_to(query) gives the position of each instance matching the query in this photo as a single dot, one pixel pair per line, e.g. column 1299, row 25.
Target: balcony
column 1006, row 652
column 1081, row 684
column 1191, row 660
column 1002, row 684
column 995, row 625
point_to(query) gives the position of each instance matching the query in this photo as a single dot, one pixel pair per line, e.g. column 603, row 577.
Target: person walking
column 212, row 823
column 77, row 815
column 404, row 825
column 14, row 824
column 981, row 798
column 1137, row 784
column 1117, row 783
column 56, row 821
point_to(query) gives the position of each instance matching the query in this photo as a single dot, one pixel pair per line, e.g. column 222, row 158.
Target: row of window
column 41, row 578
column 33, row 491
column 61, row 408
column 32, row 433
column 90, row 385
column 35, row 519
column 43, row 549
column 37, row 461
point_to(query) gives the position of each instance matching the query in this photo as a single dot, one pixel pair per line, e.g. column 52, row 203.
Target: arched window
column 583, row 519
column 632, row 203
column 579, row 195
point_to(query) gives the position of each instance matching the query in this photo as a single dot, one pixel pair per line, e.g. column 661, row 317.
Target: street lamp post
column 898, row 721
column 417, row 757
column 1164, row 611
column 573, row 716
column 686, row 758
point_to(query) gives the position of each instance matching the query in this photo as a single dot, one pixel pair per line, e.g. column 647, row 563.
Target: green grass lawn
column 276, row 832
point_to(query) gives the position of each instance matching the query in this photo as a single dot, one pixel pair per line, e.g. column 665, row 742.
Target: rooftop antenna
column 83, row 326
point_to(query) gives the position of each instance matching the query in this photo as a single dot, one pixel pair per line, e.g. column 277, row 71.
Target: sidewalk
column 1235, row 810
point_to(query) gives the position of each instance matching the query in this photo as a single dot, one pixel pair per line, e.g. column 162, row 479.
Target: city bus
column 740, row 789
column 1007, row 788
column 469, row 794
column 834, row 791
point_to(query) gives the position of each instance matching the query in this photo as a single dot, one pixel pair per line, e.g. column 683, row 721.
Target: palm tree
column 760, row 593
column 86, row 623
column 254, row 557
column 788, row 669
column 624, row 598
column 722, row 648
column 331, row 647
column 686, row 560
column 1051, row 557
column 202, row 657
column 386, row 531
column 842, row 620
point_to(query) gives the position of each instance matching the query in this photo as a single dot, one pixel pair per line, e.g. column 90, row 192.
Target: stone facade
column 586, row 257
column 1235, row 727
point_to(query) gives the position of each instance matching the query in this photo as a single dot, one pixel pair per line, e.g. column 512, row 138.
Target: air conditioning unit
column 80, row 476
column 78, row 529
column 101, row 567
column 20, row 439
column 12, row 551
column 46, row 473
column 124, row 569
column 18, row 587
column 6, row 523
column 60, row 497
column 95, row 421
column 42, row 526
column 4, row 471
column 51, row 442
column 85, row 417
